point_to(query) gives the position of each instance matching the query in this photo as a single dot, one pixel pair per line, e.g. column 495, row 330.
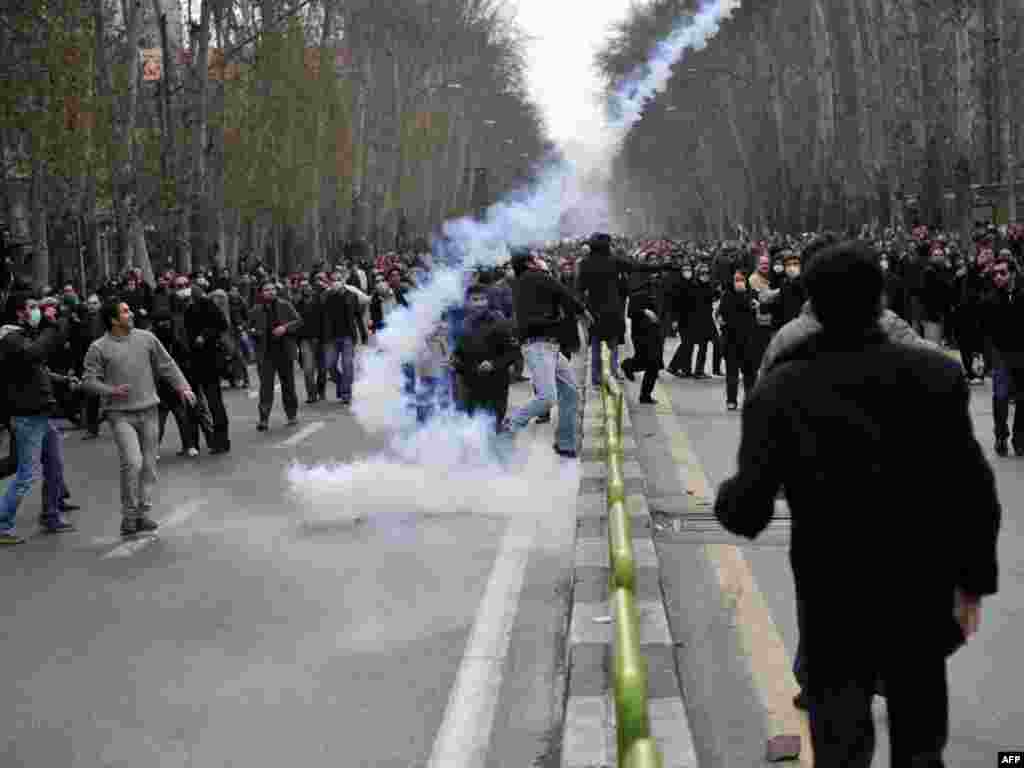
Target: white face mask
column 687, row 274
column 777, row 268
column 185, row 293
column 884, row 265
column 793, row 271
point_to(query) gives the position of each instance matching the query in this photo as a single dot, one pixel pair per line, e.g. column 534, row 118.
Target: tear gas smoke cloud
column 450, row 462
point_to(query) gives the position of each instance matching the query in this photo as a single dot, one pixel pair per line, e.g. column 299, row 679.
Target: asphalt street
column 986, row 677
column 239, row 637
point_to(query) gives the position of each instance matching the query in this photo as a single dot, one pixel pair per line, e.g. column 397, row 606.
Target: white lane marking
column 465, row 731
column 179, row 516
column 302, row 434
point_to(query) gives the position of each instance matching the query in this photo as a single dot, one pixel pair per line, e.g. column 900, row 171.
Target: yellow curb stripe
column 769, row 662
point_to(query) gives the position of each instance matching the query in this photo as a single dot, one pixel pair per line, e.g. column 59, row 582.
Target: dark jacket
column 490, row 337
column 937, row 292
column 311, row 310
column 203, row 319
column 700, row 324
column 737, row 313
column 24, row 353
column 541, row 303
column 791, row 300
column 262, row 320
column 340, row 309
column 601, row 283
column 1003, row 313
column 895, row 294
column 851, row 429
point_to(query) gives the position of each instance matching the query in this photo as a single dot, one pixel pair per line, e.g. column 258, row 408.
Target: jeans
column 136, row 433
column 1003, row 380
column 595, row 360
column 38, row 452
column 433, row 392
column 554, row 381
column 339, row 359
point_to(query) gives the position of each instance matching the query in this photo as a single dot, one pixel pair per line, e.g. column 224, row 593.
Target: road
column 725, row 679
column 241, row 637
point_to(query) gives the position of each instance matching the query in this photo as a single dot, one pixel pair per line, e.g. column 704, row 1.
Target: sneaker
column 1018, row 446
column 731, row 406
column 261, row 427
column 701, row 376
column 58, row 526
column 10, row 539
column 146, row 524
column 647, row 401
column 545, row 419
column 129, row 527
column 293, row 421
column 564, row 454
column 1002, row 449
column 193, row 452
column 680, row 374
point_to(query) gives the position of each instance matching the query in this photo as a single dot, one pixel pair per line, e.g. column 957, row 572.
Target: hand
column 187, row 395
column 967, row 610
column 200, row 340
column 589, row 318
column 143, row 312
column 121, row 390
column 486, row 366
column 649, row 314
column 280, row 330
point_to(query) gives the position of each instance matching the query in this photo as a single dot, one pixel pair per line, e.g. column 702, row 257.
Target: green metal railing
column 636, row 747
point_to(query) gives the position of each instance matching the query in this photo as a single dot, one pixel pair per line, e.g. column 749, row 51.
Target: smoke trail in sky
column 528, row 216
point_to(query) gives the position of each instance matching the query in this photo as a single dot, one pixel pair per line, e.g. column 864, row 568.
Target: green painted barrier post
column 630, row 674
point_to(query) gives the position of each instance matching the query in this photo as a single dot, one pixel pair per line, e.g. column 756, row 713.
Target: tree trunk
column 38, row 219
column 200, row 138
column 1006, row 140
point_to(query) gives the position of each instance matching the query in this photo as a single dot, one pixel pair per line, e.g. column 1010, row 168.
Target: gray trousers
column 136, row 434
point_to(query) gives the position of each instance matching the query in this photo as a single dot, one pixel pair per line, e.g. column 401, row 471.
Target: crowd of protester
column 726, row 299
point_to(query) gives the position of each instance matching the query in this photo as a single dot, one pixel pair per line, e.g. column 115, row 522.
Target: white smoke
column 451, row 462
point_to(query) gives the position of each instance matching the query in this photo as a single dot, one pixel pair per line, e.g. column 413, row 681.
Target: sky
column 561, row 74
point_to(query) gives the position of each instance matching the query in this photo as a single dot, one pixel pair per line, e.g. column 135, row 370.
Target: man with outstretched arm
column 123, row 367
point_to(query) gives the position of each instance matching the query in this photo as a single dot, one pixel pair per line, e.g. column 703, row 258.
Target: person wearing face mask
column 736, row 315
column 646, row 304
column 25, row 347
column 682, row 307
column 205, row 324
column 791, row 290
column 700, row 329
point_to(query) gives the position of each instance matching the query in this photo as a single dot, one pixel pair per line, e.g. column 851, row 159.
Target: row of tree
column 803, row 114
column 270, row 130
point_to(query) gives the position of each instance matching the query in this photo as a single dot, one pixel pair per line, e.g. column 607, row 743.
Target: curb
column 589, row 730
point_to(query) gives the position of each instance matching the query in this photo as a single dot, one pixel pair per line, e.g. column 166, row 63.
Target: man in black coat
column 600, row 275
column 842, row 424
column 646, row 307
column 1003, row 316
column 484, row 355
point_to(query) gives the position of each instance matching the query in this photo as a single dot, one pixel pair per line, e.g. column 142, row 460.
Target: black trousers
column 218, row 437
column 171, row 403
column 279, row 365
column 92, row 413
column 738, row 359
column 490, row 397
column 917, row 700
